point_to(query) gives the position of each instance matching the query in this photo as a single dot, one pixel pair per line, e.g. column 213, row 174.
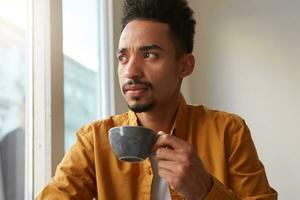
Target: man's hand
column 181, row 167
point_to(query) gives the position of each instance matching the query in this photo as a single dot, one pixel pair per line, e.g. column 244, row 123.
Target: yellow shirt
column 222, row 140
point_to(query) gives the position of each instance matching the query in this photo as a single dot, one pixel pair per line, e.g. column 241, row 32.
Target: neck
column 160, row 118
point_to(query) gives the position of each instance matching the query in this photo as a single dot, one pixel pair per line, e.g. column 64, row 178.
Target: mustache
column 137, row 82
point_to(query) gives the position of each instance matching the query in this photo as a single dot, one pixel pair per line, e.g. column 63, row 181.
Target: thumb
column 159, row 133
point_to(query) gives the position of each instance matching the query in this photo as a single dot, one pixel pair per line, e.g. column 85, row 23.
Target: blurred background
column 247, row 62
column 12, row 98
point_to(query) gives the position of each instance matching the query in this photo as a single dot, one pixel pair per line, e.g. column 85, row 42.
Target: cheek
column 167, row 82
column 120, row 74
column 170, row 75
column 119, row 70
column 120, row 77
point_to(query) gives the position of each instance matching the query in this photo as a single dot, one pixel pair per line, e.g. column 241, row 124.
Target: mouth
column 135, row 90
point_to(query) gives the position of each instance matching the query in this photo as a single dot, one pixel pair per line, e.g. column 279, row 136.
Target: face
column 149, row 70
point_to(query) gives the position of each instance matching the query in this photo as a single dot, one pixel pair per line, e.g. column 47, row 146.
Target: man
column 12, row 160
column 200, row 153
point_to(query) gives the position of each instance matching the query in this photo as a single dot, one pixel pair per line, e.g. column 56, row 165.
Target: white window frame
column 45, row 113
column 45, row 96
column 106, row 86
column 29, row 107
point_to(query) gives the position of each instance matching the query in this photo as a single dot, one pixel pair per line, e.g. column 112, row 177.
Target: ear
column 188, row 64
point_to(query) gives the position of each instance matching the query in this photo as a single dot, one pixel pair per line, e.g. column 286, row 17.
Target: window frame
column 45, row 113
column 106, row 74
column 45, row 96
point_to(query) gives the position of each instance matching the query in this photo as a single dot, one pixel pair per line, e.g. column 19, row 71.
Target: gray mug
column 132, row 143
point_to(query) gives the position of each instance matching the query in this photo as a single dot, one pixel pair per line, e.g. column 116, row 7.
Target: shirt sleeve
column 75, row 175
column 246, row 174
column 219, row 191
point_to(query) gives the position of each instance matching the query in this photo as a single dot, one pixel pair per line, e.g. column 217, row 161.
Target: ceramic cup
column 132, row 143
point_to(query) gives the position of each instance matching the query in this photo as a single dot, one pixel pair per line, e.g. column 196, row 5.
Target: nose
column 134, row 68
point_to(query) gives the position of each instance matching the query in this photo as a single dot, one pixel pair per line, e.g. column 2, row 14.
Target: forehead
column 142, row 32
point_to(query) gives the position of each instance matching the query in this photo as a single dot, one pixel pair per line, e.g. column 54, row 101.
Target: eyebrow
column 122, row 50
column 142, row 48
column 150, row 47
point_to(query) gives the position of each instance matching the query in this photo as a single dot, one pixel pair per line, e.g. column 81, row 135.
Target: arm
column 181, row 167
column 75, row 175
column 247, row 176
column 184, row 171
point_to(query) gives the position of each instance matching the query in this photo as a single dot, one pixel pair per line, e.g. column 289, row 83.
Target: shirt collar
column 180, row 122
column 132, row 118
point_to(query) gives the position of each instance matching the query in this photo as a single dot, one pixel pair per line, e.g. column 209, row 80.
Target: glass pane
column 13, row 16
column 80, row 46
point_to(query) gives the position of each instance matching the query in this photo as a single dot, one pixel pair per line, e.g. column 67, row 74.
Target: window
column 13, row 43
column 80, row 46
column 37, row 94
column 86, row 79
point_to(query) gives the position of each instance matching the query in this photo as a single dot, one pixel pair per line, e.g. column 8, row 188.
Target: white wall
column 248, row 62
column 120, row 103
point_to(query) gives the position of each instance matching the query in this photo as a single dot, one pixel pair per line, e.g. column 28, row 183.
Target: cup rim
column 127, row 126
column 136, row 159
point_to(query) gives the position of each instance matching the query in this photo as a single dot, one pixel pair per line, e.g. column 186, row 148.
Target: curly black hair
column 176, row 13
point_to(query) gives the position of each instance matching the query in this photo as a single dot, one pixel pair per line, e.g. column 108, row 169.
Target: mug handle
column 154, row 153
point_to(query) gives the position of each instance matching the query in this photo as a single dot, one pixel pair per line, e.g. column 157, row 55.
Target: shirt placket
column 147, row 180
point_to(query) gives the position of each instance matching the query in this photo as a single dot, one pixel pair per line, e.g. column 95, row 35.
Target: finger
column 159, row 133
column 167, row 165
column 165, row 174
column 166, row 154
column 168, row 176
column 167, row 140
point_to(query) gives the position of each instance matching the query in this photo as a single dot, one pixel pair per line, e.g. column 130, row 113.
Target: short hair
column 176, row 13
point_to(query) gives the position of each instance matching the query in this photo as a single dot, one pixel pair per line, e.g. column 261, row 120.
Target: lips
column 135, row 88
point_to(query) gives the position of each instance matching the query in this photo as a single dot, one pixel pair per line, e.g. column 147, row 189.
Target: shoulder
column 225, row 127
column 222, row 123
column 223, row 117
column 213, row 115
column 13, row 138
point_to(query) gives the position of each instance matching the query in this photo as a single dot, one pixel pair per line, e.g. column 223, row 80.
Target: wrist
column 209, row 185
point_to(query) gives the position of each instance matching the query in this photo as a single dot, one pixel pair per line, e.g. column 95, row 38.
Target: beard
column 139, row 108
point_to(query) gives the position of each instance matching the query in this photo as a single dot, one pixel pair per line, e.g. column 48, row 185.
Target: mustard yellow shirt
column 222, row 141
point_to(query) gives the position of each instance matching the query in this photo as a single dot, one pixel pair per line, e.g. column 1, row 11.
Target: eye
column 122, row 58
column 150, row 55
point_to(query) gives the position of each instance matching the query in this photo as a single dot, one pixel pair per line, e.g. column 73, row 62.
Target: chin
column 141, row 107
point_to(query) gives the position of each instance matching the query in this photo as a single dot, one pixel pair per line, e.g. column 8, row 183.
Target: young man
column 200, row 153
